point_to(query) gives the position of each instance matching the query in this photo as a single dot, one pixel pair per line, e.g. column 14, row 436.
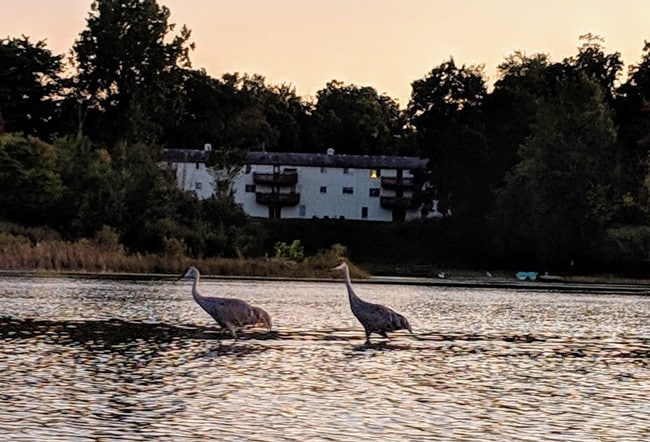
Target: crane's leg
column 367, row 337
column 233, row 330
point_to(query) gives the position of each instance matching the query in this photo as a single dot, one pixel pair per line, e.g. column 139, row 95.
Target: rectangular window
column 302, row 210
column 198, row 165
column 248, row 169
column 364, row 212
column 375, row 173
column 374, row 192
column 250, row 188
column 198, row 186
column 348, row 190
column 346, row 170
column 323, row 189
column 323, row 170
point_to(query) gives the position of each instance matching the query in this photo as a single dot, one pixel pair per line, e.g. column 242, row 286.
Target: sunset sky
column 385, row 44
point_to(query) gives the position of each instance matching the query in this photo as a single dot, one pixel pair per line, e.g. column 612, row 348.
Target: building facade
column 312, row 186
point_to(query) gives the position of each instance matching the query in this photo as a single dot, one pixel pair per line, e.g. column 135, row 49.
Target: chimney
column 330, row 151
column 207, row 147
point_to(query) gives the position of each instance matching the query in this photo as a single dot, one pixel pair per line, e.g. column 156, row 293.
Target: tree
column 592, row 61
column 30, row 187
column 633, row 118
column 29, row 87
column 127, row 74
column 511, row 108
column 357, row 120
column 563, row 178
column 445, row 110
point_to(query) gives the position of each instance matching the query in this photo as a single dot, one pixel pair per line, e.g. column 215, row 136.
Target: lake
column 105, row 359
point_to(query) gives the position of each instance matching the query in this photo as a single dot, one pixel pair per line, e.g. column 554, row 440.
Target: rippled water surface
column 111, row 360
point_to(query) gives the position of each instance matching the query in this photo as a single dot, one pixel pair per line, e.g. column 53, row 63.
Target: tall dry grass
column 99, row 256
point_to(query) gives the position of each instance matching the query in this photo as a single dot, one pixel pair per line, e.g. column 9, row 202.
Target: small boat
column 526, row 276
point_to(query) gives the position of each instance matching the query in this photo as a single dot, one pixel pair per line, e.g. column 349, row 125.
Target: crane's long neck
column 352, row 297
column 195, row 289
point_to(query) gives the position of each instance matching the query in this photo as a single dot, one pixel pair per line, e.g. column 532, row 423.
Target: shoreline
column 575, row 284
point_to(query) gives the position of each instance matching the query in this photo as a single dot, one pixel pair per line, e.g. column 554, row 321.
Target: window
column 374, row 192
column 198, row 165
column 250, row 188
column 248, row 169
column 375, row 173
column 198, row 186
column 323, row 170
column 364, row 212
column 301, row 210
column 346, row 170
column 348, row 190
column 323, row 189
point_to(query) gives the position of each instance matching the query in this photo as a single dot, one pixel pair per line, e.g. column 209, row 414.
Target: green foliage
column 564, row 175
column 30, row 187
column 29, row 84
column 294, row 251
column 127, row 68
column 357, row 120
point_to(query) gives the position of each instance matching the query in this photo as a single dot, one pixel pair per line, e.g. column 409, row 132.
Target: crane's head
column 192, row 272
column 342, row 266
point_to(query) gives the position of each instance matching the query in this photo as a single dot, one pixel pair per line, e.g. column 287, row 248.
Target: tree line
column 550, row 164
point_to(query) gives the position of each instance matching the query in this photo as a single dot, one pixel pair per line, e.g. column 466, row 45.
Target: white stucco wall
column 315, row 204
column 194, row 177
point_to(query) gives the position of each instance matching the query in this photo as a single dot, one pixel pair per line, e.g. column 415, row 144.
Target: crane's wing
column 381, row 318
column 229, row 310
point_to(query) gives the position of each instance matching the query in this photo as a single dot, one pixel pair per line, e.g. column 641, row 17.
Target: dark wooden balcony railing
column 276, row 179
column 400, row 202
column 280, row 199
column 391, row 183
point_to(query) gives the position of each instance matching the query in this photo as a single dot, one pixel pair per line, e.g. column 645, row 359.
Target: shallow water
column 94, row 359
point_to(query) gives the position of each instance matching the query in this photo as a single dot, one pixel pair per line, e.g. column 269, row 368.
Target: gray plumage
column 375, row 318
column 230, row 313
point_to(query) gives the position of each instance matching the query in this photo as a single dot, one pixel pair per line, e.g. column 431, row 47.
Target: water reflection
column 139, row 360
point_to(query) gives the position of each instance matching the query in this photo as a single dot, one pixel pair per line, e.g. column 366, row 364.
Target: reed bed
column 92, row 256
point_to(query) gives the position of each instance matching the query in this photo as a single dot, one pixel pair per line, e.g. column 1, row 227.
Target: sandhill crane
column 230, row 313
column 375, row 318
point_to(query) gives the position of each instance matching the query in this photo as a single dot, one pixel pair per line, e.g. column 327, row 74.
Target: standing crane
column 375, row 318
column 230, row 313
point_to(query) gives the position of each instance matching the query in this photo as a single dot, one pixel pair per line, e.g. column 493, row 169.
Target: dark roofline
column 335, row 160
column 306, row 159
column 186, row 155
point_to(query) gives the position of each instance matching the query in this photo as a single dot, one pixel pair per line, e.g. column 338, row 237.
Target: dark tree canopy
column 29, row 87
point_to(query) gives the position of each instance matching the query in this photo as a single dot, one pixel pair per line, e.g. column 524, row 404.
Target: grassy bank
column 97, row 256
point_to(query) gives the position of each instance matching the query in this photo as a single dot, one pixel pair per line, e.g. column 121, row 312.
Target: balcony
column 277, row 199
column 276, row 179
column 391, row 183
column 397, row 202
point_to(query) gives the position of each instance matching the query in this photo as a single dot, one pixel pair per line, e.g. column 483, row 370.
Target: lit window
column 374, row 174
column 348, row 190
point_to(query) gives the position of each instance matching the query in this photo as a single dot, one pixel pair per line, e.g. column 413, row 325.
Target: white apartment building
column 312, row 186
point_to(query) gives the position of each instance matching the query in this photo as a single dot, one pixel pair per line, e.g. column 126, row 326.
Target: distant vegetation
column 548, row 169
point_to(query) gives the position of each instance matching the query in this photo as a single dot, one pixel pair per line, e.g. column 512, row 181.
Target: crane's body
column 375, row 318
column 230, row 313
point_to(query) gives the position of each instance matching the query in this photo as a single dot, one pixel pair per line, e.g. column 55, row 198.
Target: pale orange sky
column 385, row 44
